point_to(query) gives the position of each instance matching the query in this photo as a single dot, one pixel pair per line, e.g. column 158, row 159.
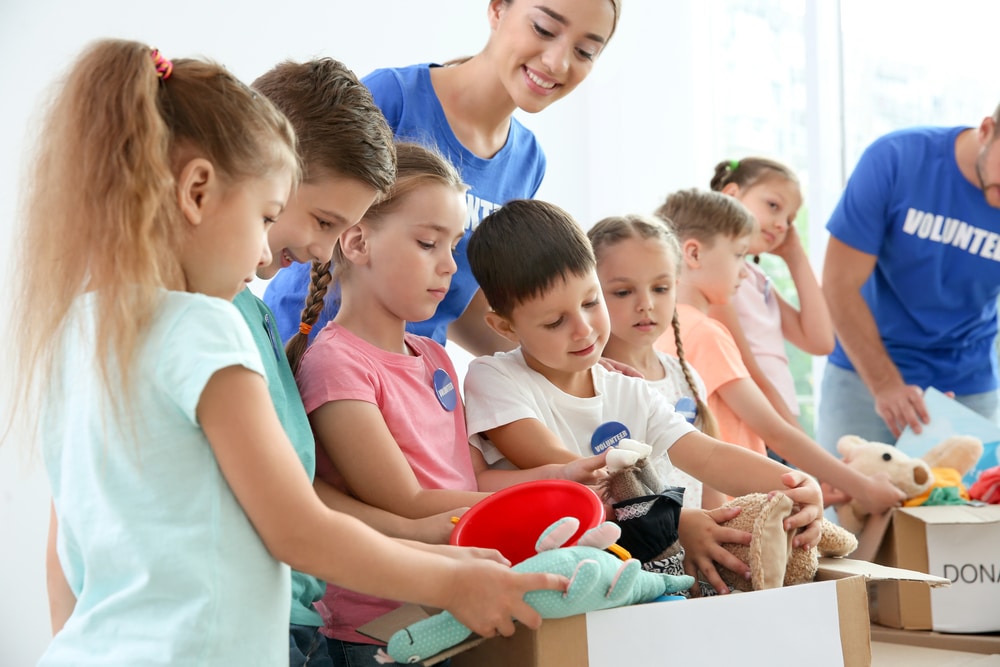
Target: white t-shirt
column 674, row 388
column 165, row 565
column 502, row 389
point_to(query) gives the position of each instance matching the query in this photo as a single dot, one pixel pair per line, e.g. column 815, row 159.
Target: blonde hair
column 100, row 212
column 615, row 229
column 416, row 166
column 705, row 215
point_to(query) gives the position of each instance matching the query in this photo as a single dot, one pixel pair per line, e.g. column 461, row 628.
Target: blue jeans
column 307, row 647
column 847, row 407
column 352, row 654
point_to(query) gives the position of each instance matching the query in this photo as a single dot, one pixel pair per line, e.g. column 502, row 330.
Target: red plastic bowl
column 511, row 520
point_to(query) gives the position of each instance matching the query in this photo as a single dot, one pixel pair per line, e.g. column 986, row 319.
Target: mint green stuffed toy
column 598, row 580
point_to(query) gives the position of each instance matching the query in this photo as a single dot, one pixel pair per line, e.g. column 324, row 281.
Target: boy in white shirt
column 550, row 401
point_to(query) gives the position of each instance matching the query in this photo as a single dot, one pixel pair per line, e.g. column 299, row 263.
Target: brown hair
column 748, row 171
column 340, row 129
column 613, row 230
column 705, row 215
column 616, row 5
column 520, row 250
column 417, row 166
column 101, row 213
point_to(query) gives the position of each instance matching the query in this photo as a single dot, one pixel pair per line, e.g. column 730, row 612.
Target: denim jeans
column 307, row 647
column 846, row 406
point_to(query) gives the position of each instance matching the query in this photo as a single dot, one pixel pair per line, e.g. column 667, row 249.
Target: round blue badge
column 444, row 389
column 687, row 408
column 608, row 435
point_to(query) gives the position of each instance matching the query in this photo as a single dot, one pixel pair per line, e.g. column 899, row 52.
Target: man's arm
column 845, row 270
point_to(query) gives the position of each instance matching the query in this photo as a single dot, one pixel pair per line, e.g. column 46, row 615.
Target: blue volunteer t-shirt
column 414, row 113
column 934, row 288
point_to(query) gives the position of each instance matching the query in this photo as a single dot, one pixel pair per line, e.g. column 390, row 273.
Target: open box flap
column 839, row 568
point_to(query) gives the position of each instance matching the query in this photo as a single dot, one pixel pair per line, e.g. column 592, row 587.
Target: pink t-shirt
column 710, row 348
column 341, row 366
column 757, row 308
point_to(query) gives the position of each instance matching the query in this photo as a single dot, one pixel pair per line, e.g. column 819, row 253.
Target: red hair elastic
column 164, row 68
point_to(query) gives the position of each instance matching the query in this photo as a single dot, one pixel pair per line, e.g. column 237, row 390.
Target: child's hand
column 487, row 597
column 881, row 494
column 789, row 245
column 619, row 367
column 587, row 470
column 833, row 496
column 702, row 538
column 468, row 553
column 805, row 493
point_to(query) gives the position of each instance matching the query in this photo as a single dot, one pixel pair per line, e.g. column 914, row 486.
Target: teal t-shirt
column 306, row 589
column 165, row 565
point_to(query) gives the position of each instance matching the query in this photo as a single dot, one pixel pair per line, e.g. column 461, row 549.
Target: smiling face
column 563, row 331
column 774, row 202
column 316, row 215
column 639, row 280
column 543, row 50
column 410, row 254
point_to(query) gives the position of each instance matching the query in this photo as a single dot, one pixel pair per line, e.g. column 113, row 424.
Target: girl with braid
column 383, row 403
column 638, row 259
column 714, row 231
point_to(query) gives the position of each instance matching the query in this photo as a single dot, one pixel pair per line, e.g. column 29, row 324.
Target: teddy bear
column 772, row 559
column 913, row 476
column 634, row 481
column 598, row 580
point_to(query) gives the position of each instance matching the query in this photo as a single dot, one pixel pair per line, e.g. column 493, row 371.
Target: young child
column 758, row 317
column 637, row 265
column 172, row 479
column 348, row 158
column 549, row 400
column 714, row 231
column 537, row 53
column 388, row 420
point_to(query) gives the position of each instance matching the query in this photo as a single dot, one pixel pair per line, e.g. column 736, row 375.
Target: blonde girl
column 758, row 316
column 384, row 403
column 152, row 190
column 714, row 231
column 637, row 263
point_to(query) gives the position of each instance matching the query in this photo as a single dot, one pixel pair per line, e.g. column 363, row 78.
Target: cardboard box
column 822, row 623
column 960, row 543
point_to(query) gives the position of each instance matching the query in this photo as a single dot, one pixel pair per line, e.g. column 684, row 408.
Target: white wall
column 599, row 163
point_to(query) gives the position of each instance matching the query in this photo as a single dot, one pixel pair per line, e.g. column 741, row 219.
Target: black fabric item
column 649, row 523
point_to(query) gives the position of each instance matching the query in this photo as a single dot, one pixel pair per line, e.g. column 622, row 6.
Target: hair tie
column 164, row 68
column 734, row 165
column 304, row 328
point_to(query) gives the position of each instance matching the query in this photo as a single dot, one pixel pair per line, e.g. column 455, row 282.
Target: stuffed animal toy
column 598, row 580
column 645, row 508
column 633, row 481
column 913, row 476
column 772, row 559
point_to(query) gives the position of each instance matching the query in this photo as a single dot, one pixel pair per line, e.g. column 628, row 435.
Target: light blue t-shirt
column 934, row 288
column 407, row 98
column 164, row 563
